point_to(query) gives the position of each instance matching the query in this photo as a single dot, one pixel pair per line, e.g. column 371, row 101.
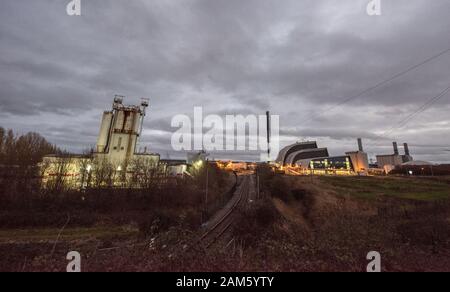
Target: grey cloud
column 336, row 134
column 295, row 58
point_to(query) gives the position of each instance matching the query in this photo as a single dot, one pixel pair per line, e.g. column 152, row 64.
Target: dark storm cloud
column 296, row 58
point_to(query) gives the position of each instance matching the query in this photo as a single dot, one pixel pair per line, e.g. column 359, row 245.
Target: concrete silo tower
column 120, row 130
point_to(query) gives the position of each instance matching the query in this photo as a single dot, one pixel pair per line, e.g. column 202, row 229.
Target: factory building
column 116, row 152
column 390, row 161
column 174, row 168
column 359, row 159
column 308, row 157
column 353, row 162
column 119, row 133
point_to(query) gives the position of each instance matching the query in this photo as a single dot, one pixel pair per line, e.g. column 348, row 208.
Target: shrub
column 156, row 223
column 279, row 189
column 256, row 222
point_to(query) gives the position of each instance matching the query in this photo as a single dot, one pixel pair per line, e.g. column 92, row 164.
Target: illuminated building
column 115, row 154
column 390, row 161
column 306, row 157
column 300, row 151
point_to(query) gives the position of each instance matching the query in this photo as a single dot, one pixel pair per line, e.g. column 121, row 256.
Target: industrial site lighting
column 198, row 164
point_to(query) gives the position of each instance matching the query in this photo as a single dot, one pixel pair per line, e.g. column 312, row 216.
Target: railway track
column 226, row 221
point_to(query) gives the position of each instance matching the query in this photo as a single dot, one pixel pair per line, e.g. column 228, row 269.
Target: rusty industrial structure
column 120, row 130
column 116, row 152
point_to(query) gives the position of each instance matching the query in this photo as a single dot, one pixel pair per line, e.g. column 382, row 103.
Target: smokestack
column 406, row 149
column 396, row 148
column 360, row 145
column 268, row 134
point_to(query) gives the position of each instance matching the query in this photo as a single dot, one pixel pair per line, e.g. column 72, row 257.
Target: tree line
column 23, row 150
column 141, row 191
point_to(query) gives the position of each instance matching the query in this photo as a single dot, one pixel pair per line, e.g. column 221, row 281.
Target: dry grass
column 300, row 225
column 371, row 188
column 327, row 229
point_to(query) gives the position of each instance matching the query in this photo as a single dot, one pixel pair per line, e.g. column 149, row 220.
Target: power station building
column 300, row 151
column 390, row 161
column 309, row 157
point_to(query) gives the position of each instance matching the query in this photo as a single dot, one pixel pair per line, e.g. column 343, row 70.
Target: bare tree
column 85, row 166
column 31, row 148
column 25, row 150
column 144, row 173
column 102, row 172
column 57, row 175
column 2, row 142
column 10, row 149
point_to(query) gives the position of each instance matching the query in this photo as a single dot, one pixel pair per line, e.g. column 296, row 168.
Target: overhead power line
column 411, row 116
column 378, row 85
column 420, row 110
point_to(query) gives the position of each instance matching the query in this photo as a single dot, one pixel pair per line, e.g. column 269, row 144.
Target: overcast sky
column 296, row 58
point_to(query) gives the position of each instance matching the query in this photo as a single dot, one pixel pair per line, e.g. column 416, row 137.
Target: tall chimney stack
column 360, row 145
column 396, row 148
column 406, row 149
column 269, row 125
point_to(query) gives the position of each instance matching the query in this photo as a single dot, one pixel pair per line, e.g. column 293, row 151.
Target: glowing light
column 198, row 164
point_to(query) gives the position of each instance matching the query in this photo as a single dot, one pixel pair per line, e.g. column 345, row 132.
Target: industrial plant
column 119, row 152
column 116, row 153
column 390, row 161
column 308, row 158
column 119, row 133
column 304, row 158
